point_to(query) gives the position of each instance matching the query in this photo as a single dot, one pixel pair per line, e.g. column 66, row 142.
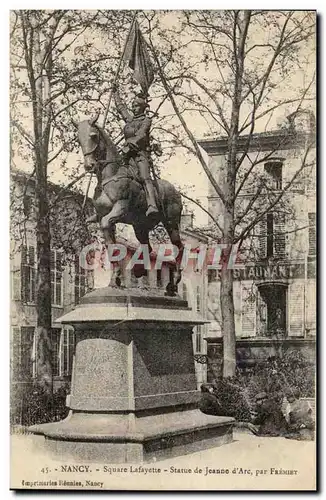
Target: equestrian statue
column 125, row 191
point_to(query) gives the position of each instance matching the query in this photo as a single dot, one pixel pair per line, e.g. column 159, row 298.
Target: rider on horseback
column 137, row 147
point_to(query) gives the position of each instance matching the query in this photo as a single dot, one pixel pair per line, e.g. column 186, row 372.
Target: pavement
column 248, row 463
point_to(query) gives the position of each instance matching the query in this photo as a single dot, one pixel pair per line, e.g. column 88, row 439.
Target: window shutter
column 24, row 255
column 262, row 237
column 237, row 307
column 26, row 351
column 214, row 304
column 59, row 260
column 61, row 351
column 71, row 342
column 31, row 256
column 55, row 345
column 311, row 306
column 261, row 315
column 248, row 310
column 28, row 274
column 32, row 264
column 15, row 360
column 76, row 279
column 312, row 233
column 52, row 260
column 15, row 285
column 24, row 275
column 296, row 309
column 279, row 235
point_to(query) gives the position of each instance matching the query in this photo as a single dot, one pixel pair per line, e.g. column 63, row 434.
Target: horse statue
column 119, row 197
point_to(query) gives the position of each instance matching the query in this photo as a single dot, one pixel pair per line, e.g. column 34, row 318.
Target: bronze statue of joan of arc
column 136, row 150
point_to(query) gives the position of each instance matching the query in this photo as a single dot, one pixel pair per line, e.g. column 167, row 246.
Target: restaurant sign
column 270, row 272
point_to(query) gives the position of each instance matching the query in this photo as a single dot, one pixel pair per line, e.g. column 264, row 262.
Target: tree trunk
column 43, row 292
column 226, row 300
column 43, row 346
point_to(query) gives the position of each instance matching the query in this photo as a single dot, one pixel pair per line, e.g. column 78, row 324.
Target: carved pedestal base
column 133, row 394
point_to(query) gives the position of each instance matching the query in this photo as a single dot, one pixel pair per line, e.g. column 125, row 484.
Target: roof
column 265, row 141
column 27, row 177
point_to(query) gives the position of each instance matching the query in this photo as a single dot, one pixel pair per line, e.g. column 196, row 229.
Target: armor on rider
column 137, row 143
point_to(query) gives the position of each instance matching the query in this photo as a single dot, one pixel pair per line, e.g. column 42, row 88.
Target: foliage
column 288, row 374
column 37, row 406
column 233, row 399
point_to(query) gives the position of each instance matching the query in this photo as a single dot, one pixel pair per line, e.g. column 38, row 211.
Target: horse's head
column 89, row 137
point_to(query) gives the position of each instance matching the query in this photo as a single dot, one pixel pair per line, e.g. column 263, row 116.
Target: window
column 56, row 277
column 22, row 352
column 198, row 340
column 28, row 274
column 271, row 311
column 271, row 234
column 83, row 282
column 67, row 350
column 312, row 233
column 274, row 172
column 62, row 347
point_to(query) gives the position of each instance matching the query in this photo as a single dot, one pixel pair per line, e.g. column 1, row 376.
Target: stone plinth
column 133, row 393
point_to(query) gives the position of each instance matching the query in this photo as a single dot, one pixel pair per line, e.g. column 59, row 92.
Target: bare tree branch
column 253, row 223
column 196, row 202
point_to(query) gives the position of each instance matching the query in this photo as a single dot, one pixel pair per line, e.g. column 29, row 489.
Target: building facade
column 274, row 287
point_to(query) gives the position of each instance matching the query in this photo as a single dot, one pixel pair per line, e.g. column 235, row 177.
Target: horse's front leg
column 108, row 223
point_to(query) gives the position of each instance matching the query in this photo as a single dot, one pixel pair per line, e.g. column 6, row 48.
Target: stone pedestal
column 133, row 393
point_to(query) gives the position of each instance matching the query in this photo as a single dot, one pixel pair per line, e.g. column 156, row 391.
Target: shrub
column 233, row 399
column 279, row 374
column 36, row 406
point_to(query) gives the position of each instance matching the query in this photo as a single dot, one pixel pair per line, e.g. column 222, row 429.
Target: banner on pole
column 137, row 57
